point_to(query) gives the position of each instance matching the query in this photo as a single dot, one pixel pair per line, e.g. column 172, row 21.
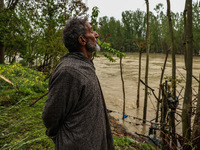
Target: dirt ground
column 110, row 80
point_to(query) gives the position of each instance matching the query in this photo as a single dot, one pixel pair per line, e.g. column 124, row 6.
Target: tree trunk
column 160, row 86
column 147, row 65
column 173, row 110
column 1, row 52
column 123, row 89
column 139, row 76
column 11, row 6
column 1, row 43
column 187, row 103
column 196, row 126
column 163, row 120
column 185, row 30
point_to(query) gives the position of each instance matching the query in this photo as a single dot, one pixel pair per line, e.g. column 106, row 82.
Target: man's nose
column 96, row 35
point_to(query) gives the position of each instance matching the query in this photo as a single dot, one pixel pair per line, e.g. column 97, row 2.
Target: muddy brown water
column 110, row 80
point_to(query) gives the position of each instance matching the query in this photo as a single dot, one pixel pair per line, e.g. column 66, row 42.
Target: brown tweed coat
column 75, row 112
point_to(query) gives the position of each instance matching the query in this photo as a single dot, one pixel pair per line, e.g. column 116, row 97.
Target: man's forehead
column 88, row 25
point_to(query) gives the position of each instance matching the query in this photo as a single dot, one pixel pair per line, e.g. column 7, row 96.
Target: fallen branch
column 5, row 79
column 150, row 139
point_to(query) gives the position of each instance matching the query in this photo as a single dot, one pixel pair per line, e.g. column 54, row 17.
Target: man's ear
column 82, row 40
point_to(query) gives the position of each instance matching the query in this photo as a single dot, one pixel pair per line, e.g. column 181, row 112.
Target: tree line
column 133, row 26
column 33, row 29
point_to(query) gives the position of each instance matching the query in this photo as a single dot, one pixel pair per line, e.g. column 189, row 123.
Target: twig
column 192, row 75
column 38, row 99
column 148, row 139
column 180, row 92
column 152, row 103
column 195, row 139
column 151, row 90
column 177, row 124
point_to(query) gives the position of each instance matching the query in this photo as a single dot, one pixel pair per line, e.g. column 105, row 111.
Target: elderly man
column 75, row 112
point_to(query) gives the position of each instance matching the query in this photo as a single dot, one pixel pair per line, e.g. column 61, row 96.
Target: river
column 110, row 80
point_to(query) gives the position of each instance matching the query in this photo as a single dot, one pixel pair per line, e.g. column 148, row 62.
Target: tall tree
column 114, row 28
column 173, row 110
column 196, row 27
column 7, row 13
column 138, row 21
column 127, row 19
column 155, row 29
column 1, row 42
column 147, row 64
column 187, row 103
column 185, row 31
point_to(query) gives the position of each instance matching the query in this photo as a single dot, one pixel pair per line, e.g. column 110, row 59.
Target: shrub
column 26, row 82
column 23, row 62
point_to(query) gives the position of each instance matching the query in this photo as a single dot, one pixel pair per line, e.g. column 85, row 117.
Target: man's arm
column 64, row 92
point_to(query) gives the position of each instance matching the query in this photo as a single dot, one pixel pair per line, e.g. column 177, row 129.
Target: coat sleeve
column 64, row 93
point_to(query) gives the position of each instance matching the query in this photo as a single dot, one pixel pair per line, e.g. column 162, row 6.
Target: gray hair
column 71, row 32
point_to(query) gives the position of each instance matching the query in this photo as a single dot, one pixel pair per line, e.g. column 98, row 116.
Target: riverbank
column 110, row 80
column 21, row 125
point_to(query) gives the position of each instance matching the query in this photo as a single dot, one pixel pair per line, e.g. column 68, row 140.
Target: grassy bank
column 21, row 126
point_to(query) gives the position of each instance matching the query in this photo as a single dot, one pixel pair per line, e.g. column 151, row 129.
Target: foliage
column 95, row 13
column 33, row 30
column 169, row 79
column 110, row 50
column 107, row 47
column 196, row 28
column 133, row 26
column 140, row 45
column 104, row 45
column 114, row 29
column 27, row 82
column 21, row 125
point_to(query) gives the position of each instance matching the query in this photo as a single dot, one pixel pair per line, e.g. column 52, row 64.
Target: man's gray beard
column 91, row 48
column 97, row 48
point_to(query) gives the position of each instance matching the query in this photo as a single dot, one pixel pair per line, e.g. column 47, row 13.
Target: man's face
column 92, row 36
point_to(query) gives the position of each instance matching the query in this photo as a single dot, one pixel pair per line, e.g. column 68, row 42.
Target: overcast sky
column 116, row 7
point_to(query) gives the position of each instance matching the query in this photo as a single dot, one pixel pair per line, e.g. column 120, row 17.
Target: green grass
column 128, row 144
column 21, row 126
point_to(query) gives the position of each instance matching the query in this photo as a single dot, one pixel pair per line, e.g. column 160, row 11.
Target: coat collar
column 78, row 55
